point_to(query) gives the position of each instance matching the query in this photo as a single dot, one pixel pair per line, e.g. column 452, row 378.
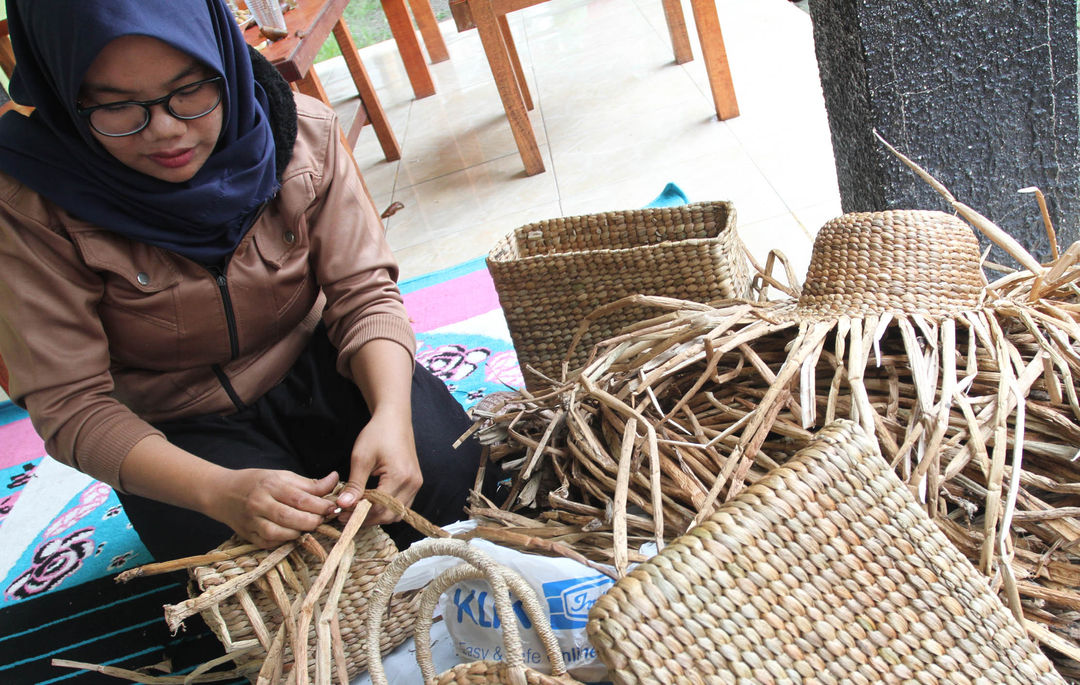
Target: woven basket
column 247, row 618
column 912, row 261
column 550, row 275
column 827, row 570
column 502, row 580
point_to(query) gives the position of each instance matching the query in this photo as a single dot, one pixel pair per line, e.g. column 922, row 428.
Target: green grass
column 368, row 25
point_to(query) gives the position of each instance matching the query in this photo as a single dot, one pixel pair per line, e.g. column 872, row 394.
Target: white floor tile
column 615, row 120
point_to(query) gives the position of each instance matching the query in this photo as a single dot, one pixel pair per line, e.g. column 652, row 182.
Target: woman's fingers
column 269, row 534
column 402, row 487
column 292, row 505
column 323, row 486
column 305, row 494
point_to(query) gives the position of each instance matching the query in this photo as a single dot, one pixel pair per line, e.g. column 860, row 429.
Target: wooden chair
column 7, row 64
column 7, row 57
column 488, row 17
column 309, row 25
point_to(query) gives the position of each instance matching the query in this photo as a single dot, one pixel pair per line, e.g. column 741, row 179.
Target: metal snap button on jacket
column 143, row 278
column 290, row 237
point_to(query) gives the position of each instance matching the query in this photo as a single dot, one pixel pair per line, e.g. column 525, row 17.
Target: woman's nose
column 163, row 124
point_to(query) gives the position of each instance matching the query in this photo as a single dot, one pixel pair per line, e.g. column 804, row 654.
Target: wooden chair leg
column 429, row 30
column 676, row 23
column 7, row 56
column 369, row 101
column 511, row 50
column 716, row 64
column 397, row 15
column 311, row 85
column 487, row 25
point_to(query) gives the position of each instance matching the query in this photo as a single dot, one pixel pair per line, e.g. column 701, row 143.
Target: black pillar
column 983, row 95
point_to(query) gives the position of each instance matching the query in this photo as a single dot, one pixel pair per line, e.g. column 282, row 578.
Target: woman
column 197, row 304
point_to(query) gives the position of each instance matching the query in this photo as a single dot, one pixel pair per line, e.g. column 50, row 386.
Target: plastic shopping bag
column 566, row 589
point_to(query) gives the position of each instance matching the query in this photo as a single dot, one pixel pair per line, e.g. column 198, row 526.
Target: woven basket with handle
column 512, row 669
column 826, row 570
column 551, row 274
column 251, row 595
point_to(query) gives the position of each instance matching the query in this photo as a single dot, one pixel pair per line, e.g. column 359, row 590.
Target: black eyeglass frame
column 147, row 104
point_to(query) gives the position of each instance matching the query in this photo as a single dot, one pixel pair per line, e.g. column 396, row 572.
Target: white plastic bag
column 566, row 588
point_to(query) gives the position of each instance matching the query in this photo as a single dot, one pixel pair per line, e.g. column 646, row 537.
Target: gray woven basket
column 827, row 571
column 551, row 274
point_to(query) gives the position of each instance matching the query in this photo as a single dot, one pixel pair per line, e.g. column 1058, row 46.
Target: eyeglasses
column 118, row 119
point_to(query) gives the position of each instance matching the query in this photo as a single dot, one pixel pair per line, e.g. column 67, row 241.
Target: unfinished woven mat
column 551, row 274
column 827, row 570
column 261, row 602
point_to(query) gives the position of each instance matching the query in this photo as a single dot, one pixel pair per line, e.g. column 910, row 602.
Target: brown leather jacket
column 102, row 334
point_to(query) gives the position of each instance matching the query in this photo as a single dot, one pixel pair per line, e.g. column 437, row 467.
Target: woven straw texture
column 896, row 261
column 254, row 612
column 825, row 571
column 550, row 275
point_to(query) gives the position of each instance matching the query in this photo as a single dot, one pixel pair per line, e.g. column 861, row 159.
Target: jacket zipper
column 230, row 315
column 230, row 320
column 234, row 343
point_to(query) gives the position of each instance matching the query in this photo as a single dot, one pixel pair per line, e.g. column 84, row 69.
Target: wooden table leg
column 676, row 23
column 369, row 101
column 311, row 85
column 716, row 64
column 401, row 26
column 511, row 50
column 487, row 25
column 429, row 30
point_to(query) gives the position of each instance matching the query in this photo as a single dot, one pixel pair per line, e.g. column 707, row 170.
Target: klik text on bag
column 474, row 625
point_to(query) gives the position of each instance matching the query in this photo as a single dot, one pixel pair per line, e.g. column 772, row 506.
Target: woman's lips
column 173, row 159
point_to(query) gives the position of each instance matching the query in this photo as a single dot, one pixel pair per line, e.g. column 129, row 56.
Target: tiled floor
column 616, row 119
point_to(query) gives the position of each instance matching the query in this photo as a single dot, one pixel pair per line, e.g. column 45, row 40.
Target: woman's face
column 144, row 68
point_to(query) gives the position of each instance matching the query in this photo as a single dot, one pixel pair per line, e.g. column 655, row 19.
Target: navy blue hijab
column 54, row 153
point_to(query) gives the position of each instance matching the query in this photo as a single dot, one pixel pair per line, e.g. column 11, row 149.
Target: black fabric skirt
column 308, row 424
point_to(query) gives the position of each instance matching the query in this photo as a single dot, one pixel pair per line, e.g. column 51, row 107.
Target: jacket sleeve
column 54, row 346
column 352, row 260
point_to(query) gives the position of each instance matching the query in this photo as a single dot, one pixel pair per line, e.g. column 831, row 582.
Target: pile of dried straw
column 969, row 387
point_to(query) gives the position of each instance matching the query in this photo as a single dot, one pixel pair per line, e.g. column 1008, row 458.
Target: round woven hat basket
column 904, row 261
column 252, row 594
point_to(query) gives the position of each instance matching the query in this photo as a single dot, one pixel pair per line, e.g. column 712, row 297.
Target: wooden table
column 488, row 17
column 309, row 25
column 397, row 16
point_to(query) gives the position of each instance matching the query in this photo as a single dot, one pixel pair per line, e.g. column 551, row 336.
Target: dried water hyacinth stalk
column 974, row 403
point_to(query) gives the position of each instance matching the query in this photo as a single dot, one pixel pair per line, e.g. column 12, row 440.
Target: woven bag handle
column 513, row 651
column 482, row 566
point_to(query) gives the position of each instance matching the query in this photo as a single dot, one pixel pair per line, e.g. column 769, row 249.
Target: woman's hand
column 268, row 507
column 384, row 450
column 265, row 506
